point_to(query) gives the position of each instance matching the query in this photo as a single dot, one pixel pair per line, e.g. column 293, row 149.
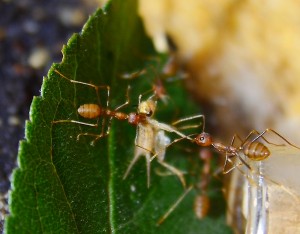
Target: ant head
column 159, row 88
column 147, row 108
column 171, row 66
column 135, row 119
column 203, row 139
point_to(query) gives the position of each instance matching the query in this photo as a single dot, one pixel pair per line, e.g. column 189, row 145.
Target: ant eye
column 149, row 114
column 201, row 138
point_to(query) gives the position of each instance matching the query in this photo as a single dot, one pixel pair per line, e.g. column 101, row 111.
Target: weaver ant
column 251, row 149
column 95, row 111
column 167, row 72
column 150, row 135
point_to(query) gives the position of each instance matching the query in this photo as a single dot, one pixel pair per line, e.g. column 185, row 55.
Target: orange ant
column 95, row 111
column 251, row 149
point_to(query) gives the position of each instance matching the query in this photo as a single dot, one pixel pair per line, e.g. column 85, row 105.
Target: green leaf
column 67, row 186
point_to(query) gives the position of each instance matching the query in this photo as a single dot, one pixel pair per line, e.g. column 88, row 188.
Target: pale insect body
column 151, row 139
column 144, row 142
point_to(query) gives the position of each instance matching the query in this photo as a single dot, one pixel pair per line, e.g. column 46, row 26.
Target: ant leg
column 190, row 118
column 172, row 208
column 276, row 133
column 74, row 121
column 82, row 134
column 133, row 75
column 235, row 136
column 96, row 87
column 151, row 97
column 173, row 142
column 118, row 108
column 217, row 172
column 139, row 151
column 168, row 128
column 127, row 99
column 78, row 122
column 175, row 171
column 225, row 165
column 260, row 135
column 228, row 159
column 97, row 136
column 231, row 168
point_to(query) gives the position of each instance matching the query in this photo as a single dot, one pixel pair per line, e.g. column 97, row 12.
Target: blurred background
column 242, row 57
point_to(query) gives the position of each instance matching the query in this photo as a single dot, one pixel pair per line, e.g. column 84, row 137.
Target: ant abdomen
column 89, row 111
column 256, row 151
column 201, row 206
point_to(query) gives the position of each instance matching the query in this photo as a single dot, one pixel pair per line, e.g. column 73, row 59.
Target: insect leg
column 234, row 165
column 133, row 75
column 138, row 153
column 236, row 136
column 97, row 136
column 225, row 164
column 118, row 108
column 173, row 142
column 173, row 207
column 259, row 135
column 74, row 121
column 175, row 171
column 276, row 133
column 190, row 118
column 96, row 87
